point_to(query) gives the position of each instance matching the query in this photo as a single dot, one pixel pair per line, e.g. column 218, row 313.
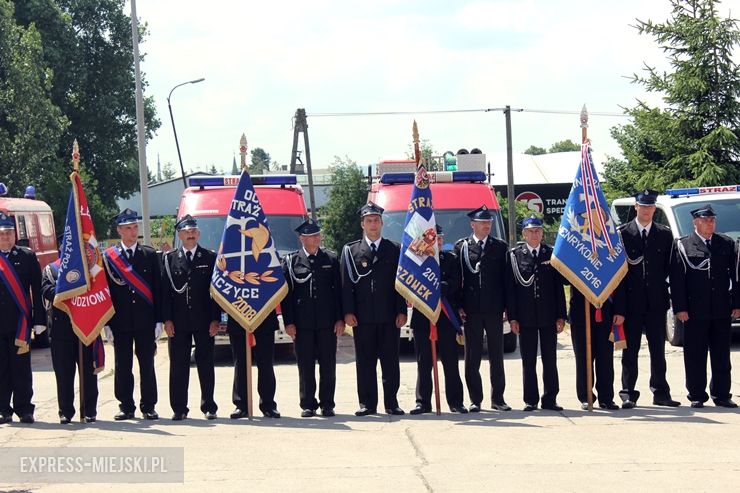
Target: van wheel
column 674, row 330
column 510, row 342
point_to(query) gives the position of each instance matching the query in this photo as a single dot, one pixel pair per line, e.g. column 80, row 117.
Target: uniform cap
column 126, row 216
column 6, row 222
column 705, row 211
column 369, row 209
column 308, row 228
column 30, row 192
column 531, row 222
column 480, row 214
column 186, row 222
column 646, row 197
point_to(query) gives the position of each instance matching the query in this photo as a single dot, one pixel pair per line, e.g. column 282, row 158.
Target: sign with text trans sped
column 588, row 250
column 247, row 280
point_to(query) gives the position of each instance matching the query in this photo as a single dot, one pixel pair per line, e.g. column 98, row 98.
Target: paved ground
column 648, row 448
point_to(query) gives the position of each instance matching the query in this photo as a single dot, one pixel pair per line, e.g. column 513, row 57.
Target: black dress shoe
column 308, row 413
column 500, row 406
column 628, row 404
column 474, row 408
column 395, row 411
column 328, row 413
column 529, row 408
column 239, row 413
column 5, row 418
column 271, row 413
column 608, row 405
column 697, row 404
column 178, row 416
column 122, row 415
column 459, row 409
column 419, row 409
column 552, row 407
column 365, row 411
column 725, row 403
column 90, row 419
column 64, row 420
column 666, row 402
column 151, row 415
column 210, row 415
column 27, row 419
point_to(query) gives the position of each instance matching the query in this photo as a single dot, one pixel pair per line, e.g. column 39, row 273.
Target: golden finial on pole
column 75, row 156
column 243, row 152
column 417, row 151
column 584, row 125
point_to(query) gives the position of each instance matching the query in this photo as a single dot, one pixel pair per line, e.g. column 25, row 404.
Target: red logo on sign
column 532, row 200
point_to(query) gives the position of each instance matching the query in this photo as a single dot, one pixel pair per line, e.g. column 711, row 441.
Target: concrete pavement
column 648, row 448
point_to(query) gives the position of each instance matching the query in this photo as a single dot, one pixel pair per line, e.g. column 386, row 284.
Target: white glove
column 157, row 331
column 38, row 329
column 108, row 334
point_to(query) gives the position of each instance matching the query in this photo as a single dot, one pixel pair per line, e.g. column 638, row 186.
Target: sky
column 263, row 60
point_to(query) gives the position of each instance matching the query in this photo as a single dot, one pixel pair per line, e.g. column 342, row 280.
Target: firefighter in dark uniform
column 536, row 310
column 65, row 356
column 20, row 270
column 313, row 318
column 648, row 248
column 263, row 354
column 190, row 316
column 602, row 349
column 374, row 309
column 138, row 318
column 450, row 278
column 706, row 297
column 483, row 263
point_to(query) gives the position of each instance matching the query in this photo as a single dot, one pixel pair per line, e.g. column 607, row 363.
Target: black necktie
column 311, row 258
column 374, row 251
column 644, row 236
column 534, row 253
column 189, row 255
column 129, row 253
column 480, row 244
column 709, row 245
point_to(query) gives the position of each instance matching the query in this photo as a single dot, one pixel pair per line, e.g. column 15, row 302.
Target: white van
column 673, row 210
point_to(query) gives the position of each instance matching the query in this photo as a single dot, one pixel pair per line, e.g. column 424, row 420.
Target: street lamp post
column 174, row 130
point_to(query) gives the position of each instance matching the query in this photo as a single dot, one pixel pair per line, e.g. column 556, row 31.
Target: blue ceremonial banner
column 418, row 275
column 247, row 280
column 588, row 249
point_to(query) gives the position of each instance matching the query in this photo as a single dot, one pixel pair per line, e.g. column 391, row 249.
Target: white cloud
column 262, row 60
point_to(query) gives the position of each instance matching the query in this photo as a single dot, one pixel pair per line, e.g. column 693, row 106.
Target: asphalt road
column 648, row 448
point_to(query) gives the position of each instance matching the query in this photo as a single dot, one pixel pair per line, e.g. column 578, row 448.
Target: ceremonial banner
column 418, row 273
column 247, row 280
column 82, row 289
column 588, row 250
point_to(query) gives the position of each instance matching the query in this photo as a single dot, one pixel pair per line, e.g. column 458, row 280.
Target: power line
column 473, row 110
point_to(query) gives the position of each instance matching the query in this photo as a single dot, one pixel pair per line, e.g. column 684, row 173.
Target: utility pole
column 140, row 128
column 510, row 178
column 301, row 125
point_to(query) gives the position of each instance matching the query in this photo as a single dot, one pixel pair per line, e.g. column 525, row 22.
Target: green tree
column 260, row 161
column 168, row 171
column 564, row 146
column 213, row 170
column 695, row 138
column 340, row 222
column 30, row 123
column 535, row 151
column 87, row 45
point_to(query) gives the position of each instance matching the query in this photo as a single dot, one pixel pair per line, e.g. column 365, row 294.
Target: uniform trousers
column 373, row 342
column 123, row 382
column 312, row 344
column 714, row 336
column 653, row 325
column 475, row 325
column 15, row 377
column 263, row 355
column 65, row 360
column 179, row 347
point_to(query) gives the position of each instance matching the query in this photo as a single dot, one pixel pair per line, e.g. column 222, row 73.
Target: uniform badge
column 364, row 263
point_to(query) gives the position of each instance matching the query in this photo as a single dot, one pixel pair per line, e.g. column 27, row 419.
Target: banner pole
column 435, row 372
column 81, row 373
column 589, row 361
column 250, row 410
